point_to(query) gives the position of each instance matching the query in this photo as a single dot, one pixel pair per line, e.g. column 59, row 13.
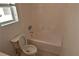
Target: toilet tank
column 19, row 41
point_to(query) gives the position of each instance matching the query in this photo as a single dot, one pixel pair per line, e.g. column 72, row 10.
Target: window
column 8, row 14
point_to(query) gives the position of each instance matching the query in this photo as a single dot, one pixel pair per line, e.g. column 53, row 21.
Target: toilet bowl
column 30, row 50
column 21, row 46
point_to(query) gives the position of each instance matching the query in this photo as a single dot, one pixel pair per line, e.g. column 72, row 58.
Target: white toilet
column 21, row 46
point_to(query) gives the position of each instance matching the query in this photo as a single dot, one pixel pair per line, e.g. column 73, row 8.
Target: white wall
column 71, row 36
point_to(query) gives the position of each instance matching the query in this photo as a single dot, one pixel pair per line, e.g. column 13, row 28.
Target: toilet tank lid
column 16, row 38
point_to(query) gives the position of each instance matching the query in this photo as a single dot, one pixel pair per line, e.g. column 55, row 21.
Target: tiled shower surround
column 48, row 27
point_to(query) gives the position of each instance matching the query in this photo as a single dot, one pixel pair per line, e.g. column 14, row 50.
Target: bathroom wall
column 10, row 31
column 71, row 35
column 48, row 22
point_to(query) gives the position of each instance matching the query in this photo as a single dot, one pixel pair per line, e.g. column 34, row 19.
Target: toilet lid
column 22, row 41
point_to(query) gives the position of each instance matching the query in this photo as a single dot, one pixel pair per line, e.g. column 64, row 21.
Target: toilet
column 21, row 47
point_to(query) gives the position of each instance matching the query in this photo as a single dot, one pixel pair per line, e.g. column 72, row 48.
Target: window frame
column 14, row 14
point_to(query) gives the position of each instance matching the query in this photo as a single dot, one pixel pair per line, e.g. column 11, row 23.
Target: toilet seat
column 29, row 49
column 22, row 42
